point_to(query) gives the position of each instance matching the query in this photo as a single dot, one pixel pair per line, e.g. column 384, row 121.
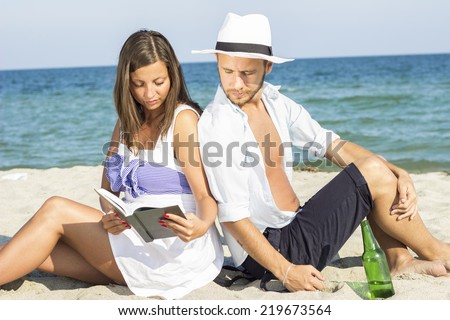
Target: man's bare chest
column 268, row 139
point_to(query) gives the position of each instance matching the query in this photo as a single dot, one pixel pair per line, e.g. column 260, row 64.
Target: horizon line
column 212, row 61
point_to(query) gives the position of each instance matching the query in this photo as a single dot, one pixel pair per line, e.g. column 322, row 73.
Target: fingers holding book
column 186, row 229
column 113, row 224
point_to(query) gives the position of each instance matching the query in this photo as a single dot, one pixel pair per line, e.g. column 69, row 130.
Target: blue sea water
column 396, row 106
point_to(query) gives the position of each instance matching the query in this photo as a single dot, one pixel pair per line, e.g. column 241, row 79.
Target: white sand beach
column 24, row 190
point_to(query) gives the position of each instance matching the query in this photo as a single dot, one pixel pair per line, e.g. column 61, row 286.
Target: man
column 246, row 134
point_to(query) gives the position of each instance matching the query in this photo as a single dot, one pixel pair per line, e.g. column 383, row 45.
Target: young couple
column 269, row 232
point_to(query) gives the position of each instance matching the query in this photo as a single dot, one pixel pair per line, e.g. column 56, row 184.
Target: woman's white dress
column 168, row 268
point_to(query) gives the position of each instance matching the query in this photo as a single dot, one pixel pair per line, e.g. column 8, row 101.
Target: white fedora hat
column 246, row 36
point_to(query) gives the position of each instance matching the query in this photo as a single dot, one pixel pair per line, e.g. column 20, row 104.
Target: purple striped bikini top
column 138, row 177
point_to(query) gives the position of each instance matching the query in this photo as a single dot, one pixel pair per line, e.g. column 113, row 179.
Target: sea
column 395, row 106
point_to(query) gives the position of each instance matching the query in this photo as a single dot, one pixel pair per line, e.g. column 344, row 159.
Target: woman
column 152, row 159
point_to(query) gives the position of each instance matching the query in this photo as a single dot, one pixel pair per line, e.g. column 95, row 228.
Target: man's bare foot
column 436, row 268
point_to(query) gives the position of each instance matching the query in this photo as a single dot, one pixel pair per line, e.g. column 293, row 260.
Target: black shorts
column 323, row 224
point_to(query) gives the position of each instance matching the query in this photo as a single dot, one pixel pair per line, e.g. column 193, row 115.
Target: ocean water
column 396, row 106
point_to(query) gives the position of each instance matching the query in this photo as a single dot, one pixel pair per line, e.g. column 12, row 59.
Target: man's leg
column 327, row 220
column 395, row 237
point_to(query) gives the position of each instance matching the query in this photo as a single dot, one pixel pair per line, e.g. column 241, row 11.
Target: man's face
column 242, row 78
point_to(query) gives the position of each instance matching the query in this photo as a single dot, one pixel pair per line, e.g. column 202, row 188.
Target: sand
column 24, row 190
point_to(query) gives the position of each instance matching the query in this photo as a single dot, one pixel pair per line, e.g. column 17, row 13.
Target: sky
column 82, row 33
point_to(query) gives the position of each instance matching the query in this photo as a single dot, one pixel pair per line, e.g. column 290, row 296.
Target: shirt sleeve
column 223, row 159
column 306, row 133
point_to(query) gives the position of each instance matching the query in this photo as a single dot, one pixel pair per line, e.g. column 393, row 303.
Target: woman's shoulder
column 183, row 109
column 185, row 117
column 185, row 121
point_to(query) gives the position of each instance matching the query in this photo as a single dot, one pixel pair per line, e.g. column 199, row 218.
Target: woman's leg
column 395, row 237
column 65, row 261
column 63, row 237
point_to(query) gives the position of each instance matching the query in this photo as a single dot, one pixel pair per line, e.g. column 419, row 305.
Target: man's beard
column 250, row 95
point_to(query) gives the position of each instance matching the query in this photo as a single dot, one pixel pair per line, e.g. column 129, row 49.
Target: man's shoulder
column 215, row 107
column 212, row 112
column 220, row 123
column 217, row 112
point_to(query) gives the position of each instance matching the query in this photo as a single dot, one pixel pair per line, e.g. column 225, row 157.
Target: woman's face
column 150, row 85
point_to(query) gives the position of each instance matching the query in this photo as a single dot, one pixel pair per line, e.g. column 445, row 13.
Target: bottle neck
column 369, row 241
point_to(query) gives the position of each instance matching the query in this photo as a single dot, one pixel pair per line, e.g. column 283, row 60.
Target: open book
column 143, row 219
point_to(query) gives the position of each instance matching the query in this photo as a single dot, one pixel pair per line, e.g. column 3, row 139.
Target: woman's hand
column 186, row 229
column 113, row 224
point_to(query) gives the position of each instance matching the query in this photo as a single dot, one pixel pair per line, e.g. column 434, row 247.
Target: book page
column 117, row 203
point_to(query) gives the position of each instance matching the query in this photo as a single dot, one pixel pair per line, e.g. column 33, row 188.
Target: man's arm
column 342, row 153
column 295, row 277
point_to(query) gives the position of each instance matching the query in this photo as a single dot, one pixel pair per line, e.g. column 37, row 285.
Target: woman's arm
column 188, row 154
column 113, row 148
column 111, row 222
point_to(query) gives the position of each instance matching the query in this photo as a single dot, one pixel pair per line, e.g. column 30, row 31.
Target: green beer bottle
column 375, row 265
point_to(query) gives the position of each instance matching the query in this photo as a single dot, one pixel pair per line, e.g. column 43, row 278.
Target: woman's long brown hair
column 142, row 49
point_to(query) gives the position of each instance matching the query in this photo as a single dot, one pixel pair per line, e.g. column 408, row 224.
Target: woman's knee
column 53, row 207
column 54, row 202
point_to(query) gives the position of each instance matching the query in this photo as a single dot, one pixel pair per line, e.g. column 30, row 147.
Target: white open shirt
column 233, row 161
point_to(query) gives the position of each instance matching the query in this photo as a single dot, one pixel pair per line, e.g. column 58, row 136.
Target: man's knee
column 375, row 171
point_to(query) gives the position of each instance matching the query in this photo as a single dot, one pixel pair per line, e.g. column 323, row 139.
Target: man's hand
column 295, row 277
column 407, row 199
column 303, row 277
